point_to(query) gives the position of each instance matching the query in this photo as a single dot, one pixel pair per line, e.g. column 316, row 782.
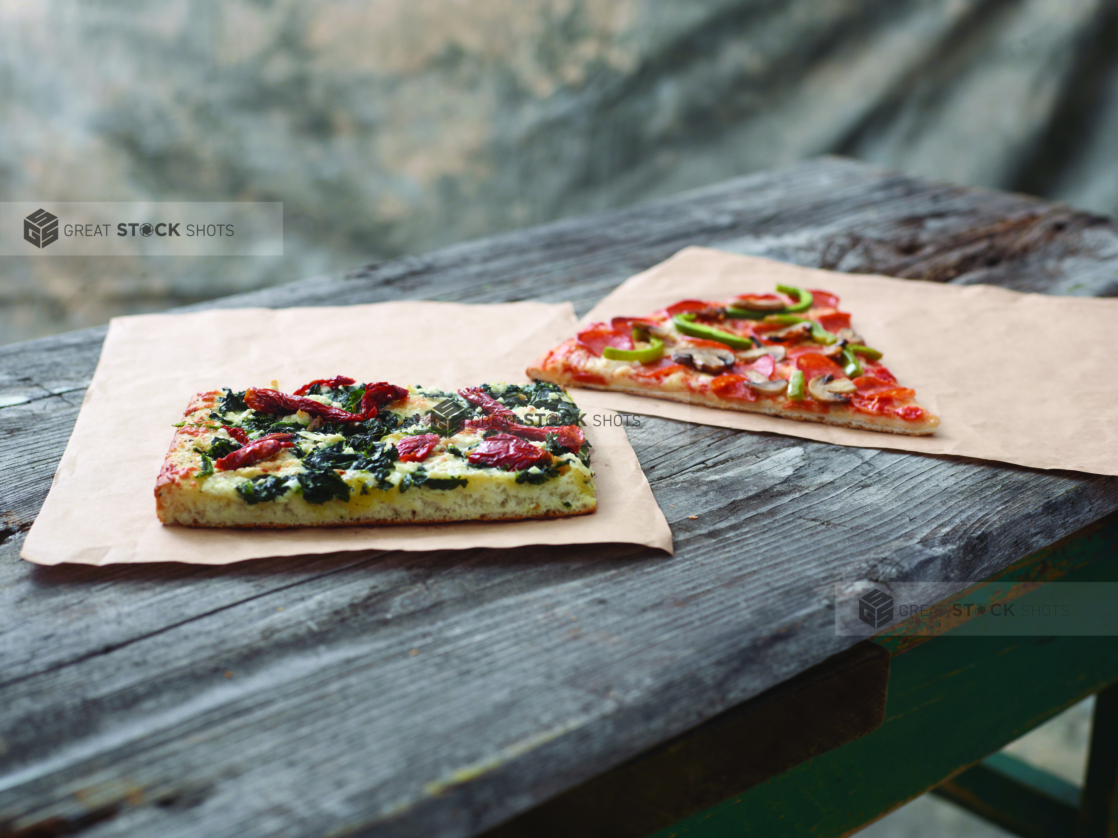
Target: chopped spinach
column 551, row 443
column 222, row 447
column 207, row 465
column 368, row 455
column 265, row 423
column 584, row 453
column 385, row 423
column 233, row 402
column 321, row 485
column 542, row 395
column 535, row 478
column 352, row 400
column 265, row 488
column 455, row 450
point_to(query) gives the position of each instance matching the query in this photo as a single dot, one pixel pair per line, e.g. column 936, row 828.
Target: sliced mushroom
column 849, row 335
column 842, row 386
column 778, row 353
column 704, row 359
column 796, row 331
column 646, row 330
column 760, row 382
column 819, row 388
column 760, row 304
column 832, row 351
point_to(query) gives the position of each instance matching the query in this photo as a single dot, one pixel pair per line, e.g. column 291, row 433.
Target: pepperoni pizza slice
column 792, row 353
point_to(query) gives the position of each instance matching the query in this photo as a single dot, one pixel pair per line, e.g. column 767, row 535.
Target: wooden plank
column 1015, row 796
column 531, row 673
column 1098, row 814
column 829, row 705
column 953, row 701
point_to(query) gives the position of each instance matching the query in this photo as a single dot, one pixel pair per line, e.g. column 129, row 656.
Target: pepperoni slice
column 812, row 364
column 686, row 305
column 598, row 336
column 764, row 365
column 416, row 449
column 871, row 385
column 823, row 299
column 730, row 386
column 763, row 298
column 834, row 321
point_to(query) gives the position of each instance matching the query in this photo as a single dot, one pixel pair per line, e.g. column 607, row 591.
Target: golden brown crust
column 879, row 423
column 480, row 519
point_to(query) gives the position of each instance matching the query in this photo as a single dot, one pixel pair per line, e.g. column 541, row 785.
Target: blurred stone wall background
column 394, row 126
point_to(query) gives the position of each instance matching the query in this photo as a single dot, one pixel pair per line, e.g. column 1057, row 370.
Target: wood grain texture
column 441, row 693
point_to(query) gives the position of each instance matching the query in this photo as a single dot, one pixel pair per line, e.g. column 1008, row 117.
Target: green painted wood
column 1015, row 796
column 1073, row 554
column 953, row 700
column 1098, row 813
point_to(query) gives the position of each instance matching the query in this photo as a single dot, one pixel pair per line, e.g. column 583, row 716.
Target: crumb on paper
column 280, row 608
column 228, row 674
column 693, row 517
column 275, row 384
column 413, row 652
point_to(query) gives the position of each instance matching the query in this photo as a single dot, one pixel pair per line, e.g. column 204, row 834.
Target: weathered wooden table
column 547, row 691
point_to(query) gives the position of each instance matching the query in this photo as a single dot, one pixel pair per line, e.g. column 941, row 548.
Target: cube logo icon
column 875, row 609
column 40, row 228
column 448, row 414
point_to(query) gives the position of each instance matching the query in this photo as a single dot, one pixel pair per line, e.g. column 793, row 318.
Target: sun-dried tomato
column 378, row 395
column 332, row 383
column 273, row 401
column 487, row 403
column 237, row 434
column 416, row 449
column 500, row 418
column 570, row 437
column 508, row 452
column 254, row 452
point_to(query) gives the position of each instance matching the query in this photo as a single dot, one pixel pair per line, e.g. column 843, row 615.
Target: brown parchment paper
column 1018, row 378
column 101, row 507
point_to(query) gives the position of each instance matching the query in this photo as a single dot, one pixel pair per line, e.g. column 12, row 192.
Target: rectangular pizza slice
column 792, row 354
column 339, row 453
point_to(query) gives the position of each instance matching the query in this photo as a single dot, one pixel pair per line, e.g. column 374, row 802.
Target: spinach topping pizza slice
column 336, row 453
column 792, row 353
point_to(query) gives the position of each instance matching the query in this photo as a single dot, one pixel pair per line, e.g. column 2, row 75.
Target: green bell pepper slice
column 803, row 298
column 864, row 351
column 653, row 352
column 735, row 313
column 796, row 386
column 850, row 363
column 684, row 322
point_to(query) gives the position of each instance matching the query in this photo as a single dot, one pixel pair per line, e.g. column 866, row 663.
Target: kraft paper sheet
column 1017, row 378
column 101, row 507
